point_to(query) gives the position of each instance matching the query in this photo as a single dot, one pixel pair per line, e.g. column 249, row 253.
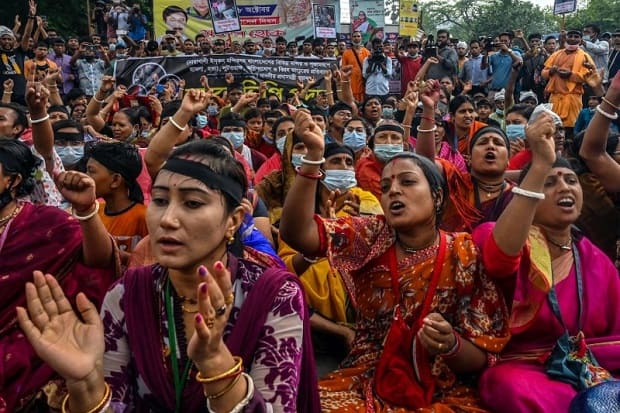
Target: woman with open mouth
column 200, row 330
column 399, row 265
column 562, row 291
column 482, row 194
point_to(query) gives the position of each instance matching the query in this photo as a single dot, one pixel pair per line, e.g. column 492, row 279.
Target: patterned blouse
column 276, row 364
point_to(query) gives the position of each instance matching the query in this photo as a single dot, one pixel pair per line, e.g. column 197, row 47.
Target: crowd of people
column 453, row 248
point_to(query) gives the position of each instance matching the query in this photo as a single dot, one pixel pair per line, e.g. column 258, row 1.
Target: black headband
column 206, row 175
column 389, row 127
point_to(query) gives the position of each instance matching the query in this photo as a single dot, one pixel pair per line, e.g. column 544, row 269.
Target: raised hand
column 429, row 93
column 436, row 334
column 73, row 348
column 120, row 92
column 17, row 21
column 204, row 81
column 36, row 97
column 206, row 347
column 77, row 188
column 195, row 101
column 540, row 137
column 346, row 72
column 107, row 84
column 309, row 132
column 327, row 76
column 299, row 83
column 310, row 82
column 8, row 85
column 32, row 8
column 229, row 78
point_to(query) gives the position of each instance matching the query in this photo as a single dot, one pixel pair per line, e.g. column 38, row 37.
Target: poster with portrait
column 273, row 18
column 409, row 18
column 224, row 16
column 368, row 17
column 324, row 17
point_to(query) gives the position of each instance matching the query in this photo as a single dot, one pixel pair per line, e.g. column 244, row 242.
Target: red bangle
column 456, row 348
column 428, row 119
column 316, row 176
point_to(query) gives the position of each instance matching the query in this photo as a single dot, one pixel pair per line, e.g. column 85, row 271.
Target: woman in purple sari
column 556, row 280
column 35, row 237
column 200, row 330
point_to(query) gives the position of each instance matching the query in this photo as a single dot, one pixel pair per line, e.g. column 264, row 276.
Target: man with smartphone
column 446, row 55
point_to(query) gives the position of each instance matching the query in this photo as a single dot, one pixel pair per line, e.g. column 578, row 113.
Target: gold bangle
column 103, row 404
column 225, row 390
column 235, row 369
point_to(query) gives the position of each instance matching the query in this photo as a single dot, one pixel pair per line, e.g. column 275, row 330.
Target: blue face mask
column 515, row 132
column 296, row 159
column 388, row 113
column 341, row 179
column 69, row 154
column 212, row 110
column 386, row 151
column 236, row 138
column 586, row 37
column 280, row 144
column 500, row 112
column 354, row 140
column 201, row 121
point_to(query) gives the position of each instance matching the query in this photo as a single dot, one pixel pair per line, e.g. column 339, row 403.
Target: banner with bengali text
column 259, row 19
column 141, row 75
column 409, row 18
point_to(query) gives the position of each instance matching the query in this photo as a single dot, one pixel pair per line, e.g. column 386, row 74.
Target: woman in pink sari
column 555, row 281
column 39, row 237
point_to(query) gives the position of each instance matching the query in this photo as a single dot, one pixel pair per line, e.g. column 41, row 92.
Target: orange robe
column 357, row 80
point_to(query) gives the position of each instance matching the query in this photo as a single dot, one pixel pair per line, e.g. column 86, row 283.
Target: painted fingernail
column 202, row 270
column 219, row 266
column 203, row 288
column 198, row 318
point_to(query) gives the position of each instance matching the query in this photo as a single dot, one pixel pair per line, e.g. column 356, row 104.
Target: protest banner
column 141, row 75
column 564, row 6
column 273, row 18
column 368, row 17
column 409, row 18
column 324, row 21
column 224, row 16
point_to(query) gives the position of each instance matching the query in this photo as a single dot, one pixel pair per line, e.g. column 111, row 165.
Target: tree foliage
column 604, row 13
column 468, row 19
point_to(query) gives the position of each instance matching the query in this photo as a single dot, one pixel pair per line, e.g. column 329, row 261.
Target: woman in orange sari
column 392, row 261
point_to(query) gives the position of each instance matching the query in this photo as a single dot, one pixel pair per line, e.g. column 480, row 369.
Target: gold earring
column 231, row 239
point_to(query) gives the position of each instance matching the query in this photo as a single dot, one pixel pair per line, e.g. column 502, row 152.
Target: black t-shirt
column 12, row 67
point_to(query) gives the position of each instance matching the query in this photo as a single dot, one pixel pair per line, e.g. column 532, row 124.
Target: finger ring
column 210, row 322
column 229, row 299
column 440, row 346
column 220, row 310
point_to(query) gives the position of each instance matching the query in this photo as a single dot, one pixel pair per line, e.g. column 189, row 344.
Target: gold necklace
column 564, row 247
column 411, row 250
column 490, row 189
column 10, row 216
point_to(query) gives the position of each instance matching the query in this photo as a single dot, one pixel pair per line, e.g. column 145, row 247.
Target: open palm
column 73, row 348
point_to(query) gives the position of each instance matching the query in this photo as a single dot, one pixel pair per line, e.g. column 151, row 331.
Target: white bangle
column 176, row 125
column 86, row 217
column 433, row 129
column 604, row 100
column 528, row 194
column 310, row 162
column 44, row 118
column 101, row 102
column 610, row 116
column 246, row 399
column 309, row 260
